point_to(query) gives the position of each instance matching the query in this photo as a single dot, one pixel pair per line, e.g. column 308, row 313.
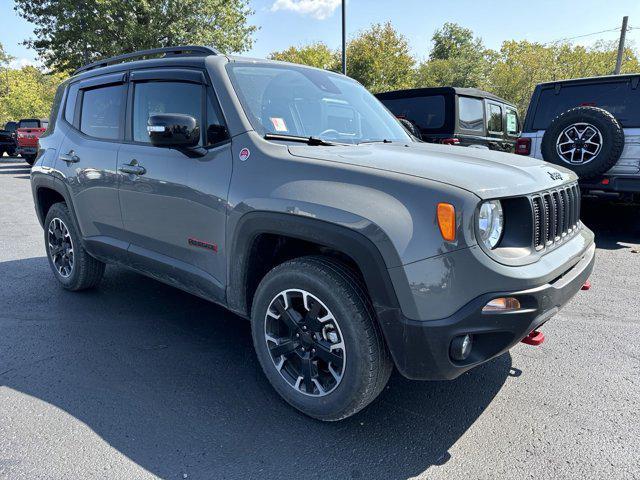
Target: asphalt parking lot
column 139, row 380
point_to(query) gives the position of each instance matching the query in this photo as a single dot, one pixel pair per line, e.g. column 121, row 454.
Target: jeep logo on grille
column 555, row 175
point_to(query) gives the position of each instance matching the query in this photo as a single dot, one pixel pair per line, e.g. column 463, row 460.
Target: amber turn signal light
column 447, row 221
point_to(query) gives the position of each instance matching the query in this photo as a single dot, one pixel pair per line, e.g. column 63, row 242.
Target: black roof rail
column 184, row 50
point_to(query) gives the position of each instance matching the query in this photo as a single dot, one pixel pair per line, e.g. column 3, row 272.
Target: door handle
column 133, row 168
column 70, row 157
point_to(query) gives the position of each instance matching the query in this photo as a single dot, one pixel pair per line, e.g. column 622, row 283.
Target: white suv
column 590, row 125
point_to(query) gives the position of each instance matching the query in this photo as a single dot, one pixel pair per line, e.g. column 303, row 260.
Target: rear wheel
column 317, row 339
column 72, row 266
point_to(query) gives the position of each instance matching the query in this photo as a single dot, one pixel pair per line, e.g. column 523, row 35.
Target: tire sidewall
column 60, row 211
column 352, row 381
column 612, row 140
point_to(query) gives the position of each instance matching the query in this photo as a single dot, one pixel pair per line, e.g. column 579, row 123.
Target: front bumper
column 421, row 348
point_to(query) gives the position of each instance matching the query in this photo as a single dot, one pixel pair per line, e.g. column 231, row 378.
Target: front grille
column 556, row 213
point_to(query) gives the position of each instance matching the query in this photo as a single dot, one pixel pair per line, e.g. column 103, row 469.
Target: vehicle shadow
column 172, row 382
column 614, row 224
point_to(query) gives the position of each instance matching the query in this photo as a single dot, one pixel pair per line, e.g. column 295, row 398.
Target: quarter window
column 216, row 130
column 164, row 97
column 471, row 114
column 495, row 118
column 70, row 105
column 426, row 112
column 101, row 114
column 513, row 128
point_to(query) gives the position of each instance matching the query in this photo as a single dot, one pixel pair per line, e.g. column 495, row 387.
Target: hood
column 486, row 173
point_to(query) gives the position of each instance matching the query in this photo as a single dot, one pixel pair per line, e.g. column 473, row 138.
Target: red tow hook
column 586, row 285
column 535, row 338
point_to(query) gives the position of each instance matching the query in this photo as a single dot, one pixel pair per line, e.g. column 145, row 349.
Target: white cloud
column 319, row 9
column 18, row 63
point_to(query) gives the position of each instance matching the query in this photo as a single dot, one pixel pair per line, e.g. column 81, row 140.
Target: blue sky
column 296, row 22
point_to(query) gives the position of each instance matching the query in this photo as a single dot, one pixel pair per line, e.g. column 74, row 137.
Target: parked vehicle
column 457, row 116
column 27, row 134
column 8, row 139
column 591, row 126
column 292, row 197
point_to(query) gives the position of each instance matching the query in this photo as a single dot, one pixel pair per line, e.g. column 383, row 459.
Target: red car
column 27, row 135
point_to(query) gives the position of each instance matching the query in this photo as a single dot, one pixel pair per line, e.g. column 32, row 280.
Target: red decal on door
column 199, row 243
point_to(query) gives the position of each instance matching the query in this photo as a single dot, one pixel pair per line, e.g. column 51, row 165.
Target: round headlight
column 490, row 223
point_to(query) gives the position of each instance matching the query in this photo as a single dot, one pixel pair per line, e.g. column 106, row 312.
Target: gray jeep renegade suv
column 291, row 196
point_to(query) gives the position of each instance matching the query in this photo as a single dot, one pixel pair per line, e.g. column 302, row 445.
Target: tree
column 29, row 94
column 520, row 66
column 5, row 58
column 317, row 55
column 456, row 58
column 70, row 33
column 379, row 58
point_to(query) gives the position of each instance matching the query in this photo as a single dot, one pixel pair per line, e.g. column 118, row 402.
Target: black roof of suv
column 454, row 115
column 550, row 99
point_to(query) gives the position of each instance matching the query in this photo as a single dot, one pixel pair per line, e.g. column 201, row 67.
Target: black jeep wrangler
column 456, row 116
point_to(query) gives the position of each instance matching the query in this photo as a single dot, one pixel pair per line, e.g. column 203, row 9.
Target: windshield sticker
column 279, row 124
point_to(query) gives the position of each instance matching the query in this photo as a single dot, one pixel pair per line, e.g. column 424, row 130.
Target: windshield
column 299, row 101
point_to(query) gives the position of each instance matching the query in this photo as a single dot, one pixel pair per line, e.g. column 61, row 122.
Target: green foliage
column 5, row 58
column 27, row 93
column 317, row 55
column 70, row 33
column 519, row 66
column 456, row 58
column 379, row 58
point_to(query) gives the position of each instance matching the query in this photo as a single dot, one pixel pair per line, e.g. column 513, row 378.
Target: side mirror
column 173, row 130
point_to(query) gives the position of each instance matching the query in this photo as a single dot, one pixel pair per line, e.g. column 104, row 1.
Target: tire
column 587, row 161
column 80, row 271
column 30, row 159
column 366, row 363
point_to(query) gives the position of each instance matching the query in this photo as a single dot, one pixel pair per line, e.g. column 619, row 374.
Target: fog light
column 502, row 304
column 461, row 347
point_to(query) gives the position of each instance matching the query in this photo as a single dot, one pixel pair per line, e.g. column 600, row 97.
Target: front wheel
column 317, row 339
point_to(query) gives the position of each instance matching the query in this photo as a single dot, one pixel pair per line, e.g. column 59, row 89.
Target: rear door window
column 426, row 112
column 471, row 114
column 101, row 112
column 494, row 122
column 618, row 98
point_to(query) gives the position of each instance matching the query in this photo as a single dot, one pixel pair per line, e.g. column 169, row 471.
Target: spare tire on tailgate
column 587, row 140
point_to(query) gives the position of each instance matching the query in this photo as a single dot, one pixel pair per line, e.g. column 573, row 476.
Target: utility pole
column 623, row 34
column 344, row 37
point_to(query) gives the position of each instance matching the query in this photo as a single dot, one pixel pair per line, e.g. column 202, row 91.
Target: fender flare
column 41, row 181
column 360, row 248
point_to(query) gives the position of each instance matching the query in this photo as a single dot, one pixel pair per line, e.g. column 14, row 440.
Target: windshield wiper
column 297, row 138
column 384, row 140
